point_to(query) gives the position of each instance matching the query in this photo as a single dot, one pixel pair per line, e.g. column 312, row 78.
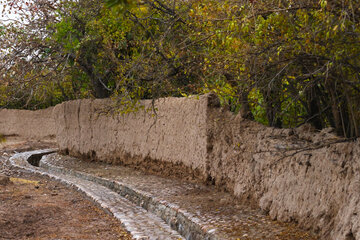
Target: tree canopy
column 282, row 63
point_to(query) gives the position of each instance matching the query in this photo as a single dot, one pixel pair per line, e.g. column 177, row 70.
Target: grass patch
column 2, row 138
column 24, row 181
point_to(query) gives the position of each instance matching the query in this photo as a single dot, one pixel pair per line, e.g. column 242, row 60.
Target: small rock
column 4, row 180
column 223, row 201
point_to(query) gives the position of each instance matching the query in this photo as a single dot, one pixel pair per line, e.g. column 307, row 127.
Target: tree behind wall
column 283, row 63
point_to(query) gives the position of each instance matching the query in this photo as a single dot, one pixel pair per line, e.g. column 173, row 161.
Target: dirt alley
column 34, row 207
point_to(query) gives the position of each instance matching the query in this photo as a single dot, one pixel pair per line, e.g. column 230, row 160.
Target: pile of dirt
column 4, row 180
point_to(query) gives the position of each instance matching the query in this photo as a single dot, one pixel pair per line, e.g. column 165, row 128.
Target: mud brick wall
column 300, row 175
column 294, row 174
column 29, row 124
column 175, row 134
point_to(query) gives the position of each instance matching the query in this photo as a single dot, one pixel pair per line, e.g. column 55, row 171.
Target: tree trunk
column 339, row 110
column 245, row 110
column 313, row 108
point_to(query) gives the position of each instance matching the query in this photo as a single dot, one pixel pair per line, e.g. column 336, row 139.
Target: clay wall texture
column 176, row 134
column 299, row 175
column 29, row 124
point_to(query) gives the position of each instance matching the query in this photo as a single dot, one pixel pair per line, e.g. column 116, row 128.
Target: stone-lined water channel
column 152, row 207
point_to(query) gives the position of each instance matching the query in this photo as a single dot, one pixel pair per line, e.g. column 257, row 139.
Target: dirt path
column 33, row 207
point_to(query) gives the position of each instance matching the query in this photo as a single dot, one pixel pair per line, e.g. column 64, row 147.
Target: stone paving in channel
column 139, row 222
column 211, row 213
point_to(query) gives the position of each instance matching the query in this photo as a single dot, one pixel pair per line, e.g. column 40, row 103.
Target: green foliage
column 113, row 3
column 257, row 104
column 283, row 63
column 299, row 62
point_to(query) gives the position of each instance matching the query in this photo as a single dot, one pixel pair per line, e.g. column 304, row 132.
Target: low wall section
column 299, row 175
column 29, row 124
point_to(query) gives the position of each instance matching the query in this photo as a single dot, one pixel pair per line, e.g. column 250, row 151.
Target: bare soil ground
column 34, row 207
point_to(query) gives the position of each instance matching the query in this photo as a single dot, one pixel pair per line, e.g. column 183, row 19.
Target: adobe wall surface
column 29, row 124
column 299, row 175
column 177, row 134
